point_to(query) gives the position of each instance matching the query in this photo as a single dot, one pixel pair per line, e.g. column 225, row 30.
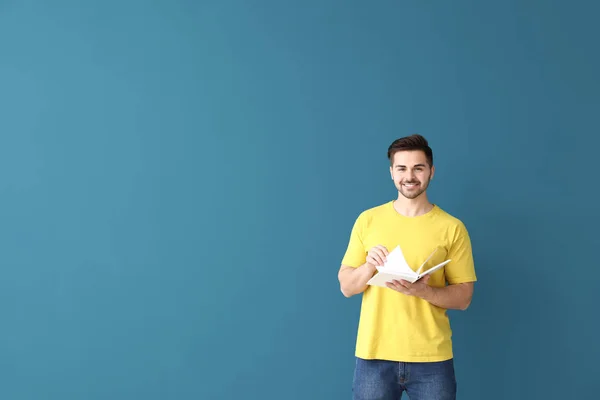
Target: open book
column 396, row 268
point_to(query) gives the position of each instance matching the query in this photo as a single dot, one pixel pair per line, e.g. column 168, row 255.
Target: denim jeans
column 387, row 380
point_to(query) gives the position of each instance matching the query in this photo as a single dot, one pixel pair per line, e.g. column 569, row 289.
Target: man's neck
column 412, row 207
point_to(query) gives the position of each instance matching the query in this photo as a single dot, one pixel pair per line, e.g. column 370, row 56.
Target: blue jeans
column 387, row 380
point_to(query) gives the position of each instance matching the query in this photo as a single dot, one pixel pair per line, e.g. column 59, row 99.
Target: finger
column 399, row 288
column 403, row 289
column 376, row 258
column 380, row 255
column 383, row 249
column 422, row 281
column 373, row 259
column 404, row 284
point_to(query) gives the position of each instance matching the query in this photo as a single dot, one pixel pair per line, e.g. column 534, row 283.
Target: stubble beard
column 414, row 194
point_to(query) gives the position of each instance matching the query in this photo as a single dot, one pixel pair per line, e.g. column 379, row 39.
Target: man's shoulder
column 451, row 220
column 375, row 211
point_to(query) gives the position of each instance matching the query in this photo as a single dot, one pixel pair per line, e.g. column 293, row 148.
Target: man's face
column 411, row 173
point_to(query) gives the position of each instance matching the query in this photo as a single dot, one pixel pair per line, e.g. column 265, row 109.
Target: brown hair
column 412, row 142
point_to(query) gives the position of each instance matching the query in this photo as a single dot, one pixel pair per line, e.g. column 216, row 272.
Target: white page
column 396, row 263
column 382, row 277
column 433, row 269
column 425, row 262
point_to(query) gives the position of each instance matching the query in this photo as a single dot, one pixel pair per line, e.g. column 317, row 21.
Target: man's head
column 411, row 165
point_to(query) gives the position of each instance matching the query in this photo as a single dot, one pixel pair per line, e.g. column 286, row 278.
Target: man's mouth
column 410, row 185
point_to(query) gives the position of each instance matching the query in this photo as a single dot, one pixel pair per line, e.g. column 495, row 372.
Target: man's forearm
column 456, row 297
column 354, row 280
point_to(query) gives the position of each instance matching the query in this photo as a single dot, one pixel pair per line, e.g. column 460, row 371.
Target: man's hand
column 419, row 289
column 377, row 255
column 457, row 296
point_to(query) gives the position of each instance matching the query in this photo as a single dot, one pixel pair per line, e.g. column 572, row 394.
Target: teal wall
column 178, row 180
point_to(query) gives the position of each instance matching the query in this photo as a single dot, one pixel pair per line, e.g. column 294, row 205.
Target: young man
column 404, row 336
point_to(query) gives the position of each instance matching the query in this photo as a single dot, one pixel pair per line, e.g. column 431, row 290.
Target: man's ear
column 432, row 171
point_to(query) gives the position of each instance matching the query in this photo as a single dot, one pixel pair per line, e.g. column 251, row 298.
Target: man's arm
column 456, row 297
column 354, row 280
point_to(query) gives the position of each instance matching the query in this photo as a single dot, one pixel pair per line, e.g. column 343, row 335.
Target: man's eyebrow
column 404, row 166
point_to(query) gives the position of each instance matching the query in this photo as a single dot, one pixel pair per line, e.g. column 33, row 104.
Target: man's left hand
column 419, row 289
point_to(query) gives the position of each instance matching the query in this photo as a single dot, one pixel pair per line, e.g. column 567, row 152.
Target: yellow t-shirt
column 392, row 325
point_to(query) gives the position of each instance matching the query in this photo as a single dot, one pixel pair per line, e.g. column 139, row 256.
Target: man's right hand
column 354, row 280
column 377, row 255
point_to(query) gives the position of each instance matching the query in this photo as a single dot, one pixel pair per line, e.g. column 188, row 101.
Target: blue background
column 178, row 180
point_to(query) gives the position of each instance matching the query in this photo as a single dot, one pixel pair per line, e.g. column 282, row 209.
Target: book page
column 382, row 277
column 396, row 264
column 433, row 269
column 425, row 262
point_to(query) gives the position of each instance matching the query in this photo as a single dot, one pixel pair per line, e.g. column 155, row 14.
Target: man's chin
column 410, row 196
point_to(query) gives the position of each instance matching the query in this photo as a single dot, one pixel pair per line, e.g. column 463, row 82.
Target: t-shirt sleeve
column 355, row 255
column 462, row 267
